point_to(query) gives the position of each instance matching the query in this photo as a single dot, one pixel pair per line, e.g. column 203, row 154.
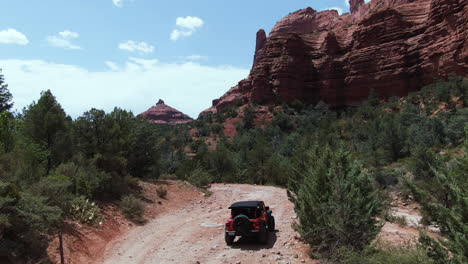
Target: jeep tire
column 263, row 234
column 229, row 239
column 271, row 223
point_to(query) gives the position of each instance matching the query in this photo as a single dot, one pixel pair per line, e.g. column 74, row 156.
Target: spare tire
column 242, row 224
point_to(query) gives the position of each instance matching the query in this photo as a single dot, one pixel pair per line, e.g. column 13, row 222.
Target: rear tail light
column 256, row 225
column 229, row 226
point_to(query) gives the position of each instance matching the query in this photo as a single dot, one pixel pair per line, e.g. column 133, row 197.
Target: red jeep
column 251, row 218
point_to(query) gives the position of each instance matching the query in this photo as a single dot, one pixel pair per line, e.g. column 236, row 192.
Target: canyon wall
column 391, row 46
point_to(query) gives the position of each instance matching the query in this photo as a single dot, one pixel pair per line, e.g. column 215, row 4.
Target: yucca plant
column 83, row 210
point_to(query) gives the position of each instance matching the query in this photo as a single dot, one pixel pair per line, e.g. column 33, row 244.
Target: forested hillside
column 53, row 167
column 338, row 165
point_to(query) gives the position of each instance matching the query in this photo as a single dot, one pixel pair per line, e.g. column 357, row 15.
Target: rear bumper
column 234, row 233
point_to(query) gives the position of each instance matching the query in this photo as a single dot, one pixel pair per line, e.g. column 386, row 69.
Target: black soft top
column 246, row 204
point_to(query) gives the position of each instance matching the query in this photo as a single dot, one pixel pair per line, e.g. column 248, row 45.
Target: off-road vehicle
column 249, row 219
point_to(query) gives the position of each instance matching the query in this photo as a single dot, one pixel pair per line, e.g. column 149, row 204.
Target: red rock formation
column 260, row 44
column 392, row 46
column 164, row 114
column 354, row 5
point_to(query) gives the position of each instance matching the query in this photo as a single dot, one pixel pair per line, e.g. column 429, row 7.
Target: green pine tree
column 5, row 95
column 336, row 203
column 46, row 124
column 447, row 206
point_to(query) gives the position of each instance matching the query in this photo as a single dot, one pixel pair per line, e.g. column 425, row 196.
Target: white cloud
column 195, row 57
column 338, row 9
column 186, row 27
column 118, row 3
column 112, row 65
column 346, row 3
column 67, row 34
column 64, row 40
column 12, row 36
column 189, row 22
column 135, row 85
column 177, row 34
column 133, row 46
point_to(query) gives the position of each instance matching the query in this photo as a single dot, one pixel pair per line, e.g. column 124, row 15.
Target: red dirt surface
column 195, row 233
column 188, row 227
column 86, row 244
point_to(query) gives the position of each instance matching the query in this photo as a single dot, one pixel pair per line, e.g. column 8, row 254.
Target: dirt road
column 196, row 233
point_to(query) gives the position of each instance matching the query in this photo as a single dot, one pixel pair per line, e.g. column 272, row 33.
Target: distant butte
column 164, row 114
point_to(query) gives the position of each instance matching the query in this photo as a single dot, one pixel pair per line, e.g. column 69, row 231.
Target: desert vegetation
column 338, row 166
column 54, row 168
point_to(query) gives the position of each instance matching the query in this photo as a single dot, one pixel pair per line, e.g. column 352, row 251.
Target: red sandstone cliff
column 392, row 46
column 164, row 114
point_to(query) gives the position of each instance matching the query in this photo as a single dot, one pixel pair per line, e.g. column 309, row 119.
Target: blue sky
column 130, row 53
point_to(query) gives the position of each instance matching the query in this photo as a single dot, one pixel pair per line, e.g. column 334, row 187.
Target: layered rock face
column 164, row 114
column 391, row 46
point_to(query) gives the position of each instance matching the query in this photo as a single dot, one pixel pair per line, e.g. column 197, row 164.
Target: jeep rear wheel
column 271, row 223
column 229, row 239
column 263, row 235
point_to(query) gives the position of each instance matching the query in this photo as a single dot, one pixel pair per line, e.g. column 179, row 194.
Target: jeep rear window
column 249, row 212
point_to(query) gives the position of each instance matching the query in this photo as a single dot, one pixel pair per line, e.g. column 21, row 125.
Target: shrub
column 283, row 121
column 422, row 162
column 386, row 177
column 447, row 206
column 336, row 203
column 383, row 254
column 399, row 220
column 87, row 212
column 248, row 118
column 133, row 208
column 168, row 177
column 217, row 128
column 161, row 191
column 85, row 179
column 200, row 178
column 455, row 124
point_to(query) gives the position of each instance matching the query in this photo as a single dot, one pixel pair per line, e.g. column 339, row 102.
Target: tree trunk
column 62, row 255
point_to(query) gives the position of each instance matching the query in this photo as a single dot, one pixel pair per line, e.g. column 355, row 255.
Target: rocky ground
column 194, row 233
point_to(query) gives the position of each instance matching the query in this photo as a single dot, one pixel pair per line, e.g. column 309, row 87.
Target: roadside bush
column 85, row 180
column 336, row 203
column 166, row 177
column 133, row 208
column 25, row 219
column 383, row 254
column 445, row 203
column 81, row 209
column 55, row 189
column 399, row 220
column 200, row 178
column 161, row 191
